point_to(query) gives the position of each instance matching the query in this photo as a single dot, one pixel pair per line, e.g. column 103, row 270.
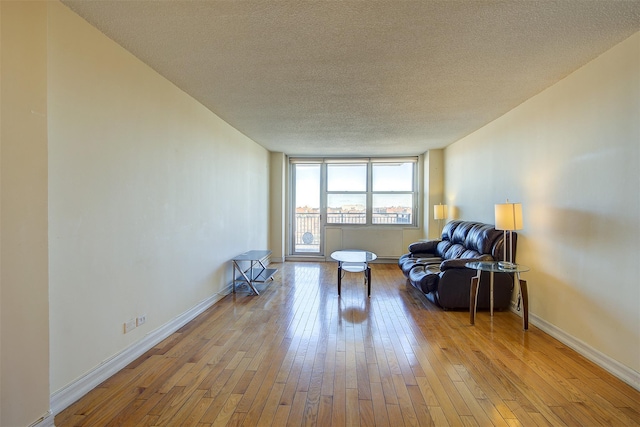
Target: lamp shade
column 508, row 216
column 439, row 211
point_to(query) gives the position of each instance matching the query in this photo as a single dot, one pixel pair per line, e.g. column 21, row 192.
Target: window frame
column 413, row 192
column 369, row 193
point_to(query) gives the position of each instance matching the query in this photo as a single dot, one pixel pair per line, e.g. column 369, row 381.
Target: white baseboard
column 44, row 421
column 64, row 397
column 612, row 366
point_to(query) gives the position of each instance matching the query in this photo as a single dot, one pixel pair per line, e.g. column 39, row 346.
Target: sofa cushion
column 442, row 248
column 455, row 251
column 407, row 263
column 449, row 229
column 482, row 238
column 425, row 277
column 470, row 253
column 403, row 258
column 461, row 232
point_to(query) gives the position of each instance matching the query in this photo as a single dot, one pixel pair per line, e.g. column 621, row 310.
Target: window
column 392, row 192
column 306, row 202
column 365, row 191
column 347, row 193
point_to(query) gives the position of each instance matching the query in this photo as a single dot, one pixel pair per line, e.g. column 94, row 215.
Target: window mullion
column 369, row 193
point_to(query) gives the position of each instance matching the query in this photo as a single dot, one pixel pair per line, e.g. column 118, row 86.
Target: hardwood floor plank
column 439, row 418
column 166, row 401
column 223, row 389
column 227, row 410
column 282, row 415
column 135, row 412
column 193, row 417
column 181, row 416
column 107, row 411
column 609, row 413
column 149, row 420
column 362, row 377
column 385, row 377
column 395, row 415
column 527, row 418
column 271, row 405
column 173, row 380
column 298, row 354
column 329, row 368
column 367, row 417
column 324, row 411
column 79, row 408
column 380, row 415
column 404, row 401
column 419, row 406
column 297, row 409
column 338, row 412
column 483, row 411
column 352, row 407
column 632, row 414
column 262, row 395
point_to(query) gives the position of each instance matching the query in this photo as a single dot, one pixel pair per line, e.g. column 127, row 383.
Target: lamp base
column 506, row 264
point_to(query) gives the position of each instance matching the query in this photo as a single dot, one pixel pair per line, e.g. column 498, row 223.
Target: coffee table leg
column 339, row 277
column 368, row 281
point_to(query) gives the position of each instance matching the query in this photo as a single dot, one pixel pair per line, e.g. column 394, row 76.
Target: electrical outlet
column 141, row 320
column 129, row 326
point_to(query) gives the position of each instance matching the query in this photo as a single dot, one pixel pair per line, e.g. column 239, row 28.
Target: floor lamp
column 508, row 218
column 439, row 214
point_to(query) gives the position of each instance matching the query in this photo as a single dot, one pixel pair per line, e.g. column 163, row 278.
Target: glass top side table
column 494, row 267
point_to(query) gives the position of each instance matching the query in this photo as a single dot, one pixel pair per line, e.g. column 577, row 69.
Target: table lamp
column 508, row 218
column 439, row 213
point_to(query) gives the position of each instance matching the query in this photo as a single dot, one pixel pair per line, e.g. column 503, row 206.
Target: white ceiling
column 362, row 77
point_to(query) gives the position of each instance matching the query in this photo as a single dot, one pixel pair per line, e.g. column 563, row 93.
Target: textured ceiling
column 362, row 77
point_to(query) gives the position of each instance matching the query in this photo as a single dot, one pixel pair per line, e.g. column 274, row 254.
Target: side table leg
column 235, row 265
column 339, row 277
column 252, row 278
column 491, row 292
column 525, row 303
column 473, row 298
column 368, row 281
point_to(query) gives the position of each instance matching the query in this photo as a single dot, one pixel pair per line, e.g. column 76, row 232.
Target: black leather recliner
column 437, row 267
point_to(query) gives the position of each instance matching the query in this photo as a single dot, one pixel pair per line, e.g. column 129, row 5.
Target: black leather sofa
column 437, row 267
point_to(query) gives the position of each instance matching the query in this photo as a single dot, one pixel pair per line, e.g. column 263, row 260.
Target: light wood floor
column 299, row 355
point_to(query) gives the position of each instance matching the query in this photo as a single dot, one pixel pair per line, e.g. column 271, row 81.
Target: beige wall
column 277, row 206
column 24, row 312
column 150, row 195
column 434, row 191
column 571, row 155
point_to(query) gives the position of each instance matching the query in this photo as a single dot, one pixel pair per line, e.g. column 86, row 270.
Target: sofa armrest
column 426, row 247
